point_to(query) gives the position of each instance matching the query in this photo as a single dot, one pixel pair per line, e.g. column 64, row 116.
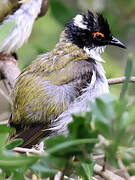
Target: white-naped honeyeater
column 68, row 76
column 23, row 13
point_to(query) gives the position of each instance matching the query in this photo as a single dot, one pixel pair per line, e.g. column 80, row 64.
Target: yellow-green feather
column 32, row 103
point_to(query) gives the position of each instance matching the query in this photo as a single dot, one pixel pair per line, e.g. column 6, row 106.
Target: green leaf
column 102, row 111
column 13, row 161
column 108, row 98
column 102, row 128
column 111, row 153
column 18, row 175
column 96, row 112
column 128, row 75
column 4, row 128
column 44, row 171
column 57, row 142
column 88, row 169
column 82, row 122
column 14, row 143
column 5, row 29
column 48, row 166
column 51, row 142
column 3, row 140
column 69, row 144
column 4, row 133
column 52, row 161
column 84, row 170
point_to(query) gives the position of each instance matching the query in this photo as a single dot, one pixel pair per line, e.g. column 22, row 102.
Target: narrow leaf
column 88, row 169
column 71, row 143
column 127, row 75
column 14, row 143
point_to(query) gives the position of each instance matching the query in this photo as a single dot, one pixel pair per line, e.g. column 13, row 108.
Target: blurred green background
column 120, row 15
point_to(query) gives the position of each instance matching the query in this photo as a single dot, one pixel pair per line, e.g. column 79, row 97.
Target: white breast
column 24, row 18
column 98, row 86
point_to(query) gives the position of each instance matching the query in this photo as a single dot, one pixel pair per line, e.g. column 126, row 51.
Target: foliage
column 12, row 164
column 108, row 128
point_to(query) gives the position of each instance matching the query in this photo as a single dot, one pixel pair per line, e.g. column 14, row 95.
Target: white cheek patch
column 78, row 21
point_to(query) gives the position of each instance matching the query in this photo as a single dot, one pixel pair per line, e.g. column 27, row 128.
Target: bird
column 23, row 13
column 69, row 76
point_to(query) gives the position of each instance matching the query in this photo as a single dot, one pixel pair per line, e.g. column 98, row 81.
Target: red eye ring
column 98, row 33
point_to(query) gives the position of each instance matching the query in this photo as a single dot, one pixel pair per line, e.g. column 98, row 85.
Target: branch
column 120, row 80
column 107, row 174
column 4, row 122
column 122, row 167
column 9, row 71
column 26, row 150
column 6, row 96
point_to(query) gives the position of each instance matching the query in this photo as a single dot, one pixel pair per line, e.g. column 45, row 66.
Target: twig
column 26, row 150
column 102, row 141
column 122, row 167
column 58, row 175
column 107, row 174
column 132, row 178
column 120, row 80
column 4, row 122
column 5, row 115
column 98, row 156
column 10, row 72
column 93, row 178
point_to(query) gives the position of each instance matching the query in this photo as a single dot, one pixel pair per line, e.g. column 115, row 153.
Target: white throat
column 95, row 53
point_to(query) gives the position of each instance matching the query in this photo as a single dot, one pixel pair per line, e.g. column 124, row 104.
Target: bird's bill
column 116, row 42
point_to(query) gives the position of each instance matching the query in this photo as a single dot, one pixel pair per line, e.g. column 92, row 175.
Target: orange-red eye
column 97, row 33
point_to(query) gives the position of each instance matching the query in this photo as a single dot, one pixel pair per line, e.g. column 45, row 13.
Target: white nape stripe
column 78, row 21
column 24, row 18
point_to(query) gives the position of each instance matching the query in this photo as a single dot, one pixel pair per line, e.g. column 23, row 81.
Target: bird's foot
column 39, row 147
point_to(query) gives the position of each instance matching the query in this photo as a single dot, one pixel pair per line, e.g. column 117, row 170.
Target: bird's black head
column 89, row 31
